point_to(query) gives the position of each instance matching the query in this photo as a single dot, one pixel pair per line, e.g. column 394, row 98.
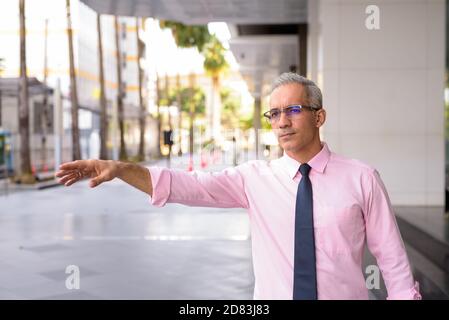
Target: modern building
column 47, row 45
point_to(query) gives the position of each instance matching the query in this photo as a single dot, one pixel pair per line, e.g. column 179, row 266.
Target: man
column 311, row 211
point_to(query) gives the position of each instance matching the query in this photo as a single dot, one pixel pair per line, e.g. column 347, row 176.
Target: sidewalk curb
column 36, row 186
column 48, row 185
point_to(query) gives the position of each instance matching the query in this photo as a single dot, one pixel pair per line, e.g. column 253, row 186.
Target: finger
column 96, row 181
column 62, row 173
column 78, row 175
column 71, row 181
column 69, row 173
column 74, row 165
column 67, row 178
column 83, row 173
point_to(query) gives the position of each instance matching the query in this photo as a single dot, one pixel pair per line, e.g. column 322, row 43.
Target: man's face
column 295, row 133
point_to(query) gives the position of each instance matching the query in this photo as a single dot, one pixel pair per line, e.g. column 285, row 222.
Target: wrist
column 118, row 168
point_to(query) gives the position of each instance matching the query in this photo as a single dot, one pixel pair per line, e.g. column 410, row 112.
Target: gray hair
column 314, row 96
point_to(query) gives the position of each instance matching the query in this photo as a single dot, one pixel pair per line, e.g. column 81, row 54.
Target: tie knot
column 304, row 169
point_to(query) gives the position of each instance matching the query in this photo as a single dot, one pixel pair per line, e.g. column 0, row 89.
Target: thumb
column 97, row 180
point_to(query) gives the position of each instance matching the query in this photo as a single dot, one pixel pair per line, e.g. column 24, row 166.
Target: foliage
column 446, row 116
column 2, row 66
column 187, row 36
column 188, row 96
column 231, row 105
column 248, row 123
column 214, row 57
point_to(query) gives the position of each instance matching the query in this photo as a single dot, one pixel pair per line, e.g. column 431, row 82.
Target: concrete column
column 383, row 90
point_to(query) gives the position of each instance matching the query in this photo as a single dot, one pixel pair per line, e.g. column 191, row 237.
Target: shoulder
column 351, row 165
column 355, row 170
column 359, row 174
column 252, row 165
column 257, row 167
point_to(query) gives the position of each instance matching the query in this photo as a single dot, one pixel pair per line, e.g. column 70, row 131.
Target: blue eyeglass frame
column 289, row 111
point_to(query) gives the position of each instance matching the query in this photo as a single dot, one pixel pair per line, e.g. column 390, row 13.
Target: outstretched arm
column 100, row 171
column 222, row 189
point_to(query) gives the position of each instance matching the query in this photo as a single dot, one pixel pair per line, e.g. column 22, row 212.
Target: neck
column 305, row 154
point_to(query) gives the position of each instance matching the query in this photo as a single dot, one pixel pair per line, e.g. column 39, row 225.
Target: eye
column 294, row 110
column 274, row 113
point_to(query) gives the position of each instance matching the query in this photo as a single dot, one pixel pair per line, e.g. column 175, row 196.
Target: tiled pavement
column 124, row 247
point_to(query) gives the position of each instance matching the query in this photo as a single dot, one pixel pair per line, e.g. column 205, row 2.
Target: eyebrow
column 290, row 105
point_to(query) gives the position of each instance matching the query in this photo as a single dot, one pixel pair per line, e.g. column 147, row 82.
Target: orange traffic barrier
column 190, row 166
column 203, row 160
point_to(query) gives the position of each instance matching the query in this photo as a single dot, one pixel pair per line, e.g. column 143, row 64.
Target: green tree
column 103, row 103
column 142, row 116
column 446, row 108
column 76, row 147
column 214, row 57
column 231, row 108
column 187, row 36
column 187, row 96
column 123, row 155
column 2, row 69
column 247, row 123
column 215, row 65
column 24, row 126
column 446, row 113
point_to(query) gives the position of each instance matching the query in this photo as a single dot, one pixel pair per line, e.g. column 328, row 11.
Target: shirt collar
column 318, row 162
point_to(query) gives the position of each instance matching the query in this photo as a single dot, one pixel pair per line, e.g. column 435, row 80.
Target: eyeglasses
column 293, row 111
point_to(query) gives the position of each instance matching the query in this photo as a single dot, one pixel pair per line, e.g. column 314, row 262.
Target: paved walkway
column 124, row 247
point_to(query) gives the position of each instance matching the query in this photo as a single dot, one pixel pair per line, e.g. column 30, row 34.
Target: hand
column 98, row 170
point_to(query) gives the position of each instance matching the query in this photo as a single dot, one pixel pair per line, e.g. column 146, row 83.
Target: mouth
column 286, row 135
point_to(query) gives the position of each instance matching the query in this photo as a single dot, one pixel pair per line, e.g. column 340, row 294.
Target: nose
column 284, row 121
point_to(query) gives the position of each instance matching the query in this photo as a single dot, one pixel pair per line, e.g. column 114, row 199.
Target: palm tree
column 190, row 97
column 44, row 111
column 158, row 116
column 103, row 105
column 191, row 100
column 231, row 106
column 24, row 127
column 192, row 118
column 120, row 92
column 257, row 122
column 188, row 37
column 76, row 148
column 215, row 65
column 178, row 102
column 1, row 72
column 141, row 155
column 167, row 89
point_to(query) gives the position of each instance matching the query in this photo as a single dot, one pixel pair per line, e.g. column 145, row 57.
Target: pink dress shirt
column 350, row 206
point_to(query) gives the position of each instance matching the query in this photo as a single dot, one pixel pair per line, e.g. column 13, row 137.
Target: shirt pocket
column 336, row 227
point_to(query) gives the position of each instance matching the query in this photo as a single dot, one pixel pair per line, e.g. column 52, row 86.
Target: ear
column 320, row 117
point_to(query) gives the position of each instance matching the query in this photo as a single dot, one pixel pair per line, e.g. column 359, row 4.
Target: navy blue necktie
column 304, row 277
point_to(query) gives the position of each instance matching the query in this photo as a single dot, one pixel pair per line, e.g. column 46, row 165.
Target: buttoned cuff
column 161, row 181
column 410, row 294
